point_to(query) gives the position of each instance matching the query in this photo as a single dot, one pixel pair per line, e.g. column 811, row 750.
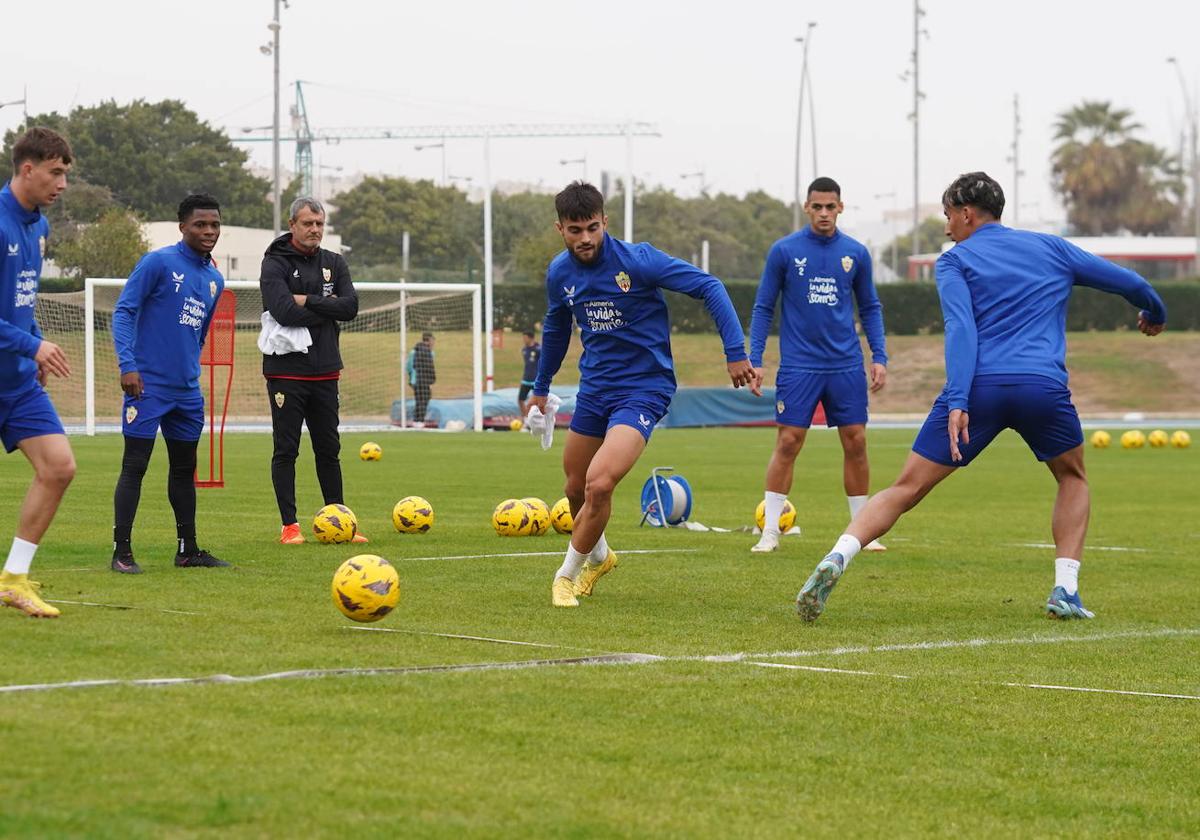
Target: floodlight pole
column 796, row 203
column 276, row 214
column 489, row 383
column 916, row 118
column 1193, row 120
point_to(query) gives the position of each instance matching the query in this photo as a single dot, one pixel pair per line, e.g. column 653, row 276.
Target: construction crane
column 303, row 136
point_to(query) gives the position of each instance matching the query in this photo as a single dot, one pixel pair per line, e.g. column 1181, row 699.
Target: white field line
column 949, row 644
column 621, row 553
column 119, row 606
column 314, row 673
column 1104, row 691
column 461, row 636
column 825, row 670
column 1087, row 547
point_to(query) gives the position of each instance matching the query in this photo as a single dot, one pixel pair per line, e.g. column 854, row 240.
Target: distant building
column 239, row 251
column 1156, row 257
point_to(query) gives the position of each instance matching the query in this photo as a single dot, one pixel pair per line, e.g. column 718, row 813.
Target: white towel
column 537, row 423
column 276, row 339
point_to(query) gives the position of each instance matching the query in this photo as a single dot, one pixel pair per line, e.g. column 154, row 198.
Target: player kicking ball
column 612, row 289
column 159, row 325
column 1004, row 296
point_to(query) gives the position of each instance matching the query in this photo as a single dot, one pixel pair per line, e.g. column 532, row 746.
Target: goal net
column 374, row 393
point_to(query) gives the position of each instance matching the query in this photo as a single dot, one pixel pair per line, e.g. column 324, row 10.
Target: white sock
column 847, row 546
column 772, row 510
column 857, row 503
column 1066, row 574
column 572, row 564
column 599, row 552
column 20, row 557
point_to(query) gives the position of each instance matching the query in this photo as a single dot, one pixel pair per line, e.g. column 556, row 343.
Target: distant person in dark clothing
column 530, row 352
column 421, row 375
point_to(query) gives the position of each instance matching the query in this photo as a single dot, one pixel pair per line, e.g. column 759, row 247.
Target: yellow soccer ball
column 512, row 518
column 1133, row 439
column 539, row 516
column 1158, row 439
column 370, row 451
column 1101, row 439
column 366, row 588
column 1181, row 439
column 787, row 517
column 335, row 524
column 515, row 425
column 560, row 516
column 412, row 515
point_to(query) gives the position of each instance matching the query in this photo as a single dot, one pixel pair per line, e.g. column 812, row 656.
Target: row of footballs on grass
column 1136, row 439
column 336, row 523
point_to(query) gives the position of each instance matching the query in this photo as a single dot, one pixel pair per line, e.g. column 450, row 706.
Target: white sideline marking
column 949, row 644
column 825, row 670
column 1089, row 547
column 554, row 554
column 314, row 673
column 458, row 636
column 1103, row 691
column 120, row 606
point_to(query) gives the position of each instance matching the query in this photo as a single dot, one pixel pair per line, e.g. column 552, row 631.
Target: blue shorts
column 843, row 393
column 1037, row 408
column 26, row 414
column 595, row 414
column 179, row 413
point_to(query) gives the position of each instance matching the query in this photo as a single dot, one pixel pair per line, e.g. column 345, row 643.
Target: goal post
column 373, row 390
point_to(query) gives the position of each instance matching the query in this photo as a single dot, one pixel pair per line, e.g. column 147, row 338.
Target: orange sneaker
column 290, row 535
column 359, row 538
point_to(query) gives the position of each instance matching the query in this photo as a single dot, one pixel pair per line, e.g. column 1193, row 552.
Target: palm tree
column 1110, row 180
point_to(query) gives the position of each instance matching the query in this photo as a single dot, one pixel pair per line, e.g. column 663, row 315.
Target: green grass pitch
column 906, row 710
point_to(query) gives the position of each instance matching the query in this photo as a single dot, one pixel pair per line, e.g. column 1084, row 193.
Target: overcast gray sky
column 720, row 79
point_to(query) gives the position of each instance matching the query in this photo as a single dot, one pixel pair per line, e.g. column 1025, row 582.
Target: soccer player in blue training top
column 159, row 325
column 820, row 360
column 531, row 351
column 626, row 375
column 1004, row 299
column 41, row 159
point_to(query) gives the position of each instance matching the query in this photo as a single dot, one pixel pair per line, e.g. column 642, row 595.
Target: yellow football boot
column 562, row 594
column 592, row 572
column 22, row 593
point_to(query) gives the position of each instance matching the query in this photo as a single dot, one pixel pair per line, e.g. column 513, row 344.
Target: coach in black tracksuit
column 304, row 285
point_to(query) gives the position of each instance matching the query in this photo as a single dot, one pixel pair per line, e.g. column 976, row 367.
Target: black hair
column 528, row 333
column 579, row 202
column 824, row 185
column 194, row 202
column 427, row 336
column 978, row 190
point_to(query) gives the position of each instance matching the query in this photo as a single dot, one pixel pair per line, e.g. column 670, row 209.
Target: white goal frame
column 402, row 289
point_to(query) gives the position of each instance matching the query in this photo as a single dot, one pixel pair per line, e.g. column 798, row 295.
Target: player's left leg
column 53, row 469
column 182, row 426
column 622, row 447
column 1047, row 420
column 581, row 446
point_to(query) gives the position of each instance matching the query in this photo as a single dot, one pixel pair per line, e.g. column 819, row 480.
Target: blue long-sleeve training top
column 816, row 276
column 1004, row 299
column 23, row 236
column 623, row 319
column 162, row 316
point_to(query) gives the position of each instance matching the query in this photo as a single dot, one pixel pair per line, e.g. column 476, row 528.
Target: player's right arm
column 277, row 296
column 556, row 337
column 769, row 286
column 142, row 280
